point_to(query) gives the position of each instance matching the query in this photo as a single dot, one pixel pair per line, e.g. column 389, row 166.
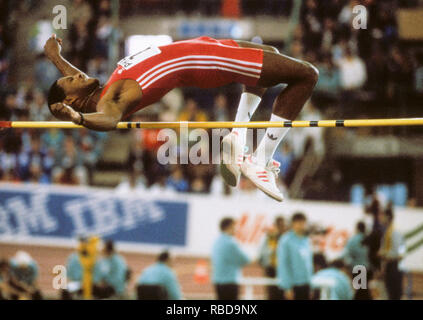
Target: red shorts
column 208, row 63
column 201, row 62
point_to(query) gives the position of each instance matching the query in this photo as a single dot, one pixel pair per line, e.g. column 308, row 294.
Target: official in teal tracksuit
column 357, row 254
column 295, row 260
column 341, row 288
column 227, row 261
column 110, row 274
column 160, row 274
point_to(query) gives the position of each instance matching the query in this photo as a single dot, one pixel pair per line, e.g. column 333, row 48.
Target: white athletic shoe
column 232, row 159
column 263, row 178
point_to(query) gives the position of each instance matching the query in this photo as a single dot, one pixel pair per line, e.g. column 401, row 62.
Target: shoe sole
column 271, row 195
column 228, row 176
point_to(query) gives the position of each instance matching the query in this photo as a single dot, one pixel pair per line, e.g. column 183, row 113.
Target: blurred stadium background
column 57, row 185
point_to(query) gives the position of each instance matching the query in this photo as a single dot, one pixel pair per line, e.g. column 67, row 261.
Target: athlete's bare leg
column 258, row 91
column 301, row 77
column 233, row 145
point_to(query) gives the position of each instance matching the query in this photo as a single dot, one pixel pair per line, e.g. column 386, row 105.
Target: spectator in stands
column 286, row 157
column 80, row 10
column 267, row 256
column 352, row 71
column 356, row 253
column 35, row 164
column 392, row 251
column 38, row 110
column 329, row 81
column 97, row 68
column 111, row 274
column 220, row 108
column 104, row 31
column 377, row 67
column 177, row 181
column 45, row 73
column 418, row 74
column 191, row 112
column 160, row 187
column 401, row 78
column 295, row 260
column 157, row 277
column 337, row 274
column 135, row 182
column 24, row 274
column 5, row 44
column 227, row 261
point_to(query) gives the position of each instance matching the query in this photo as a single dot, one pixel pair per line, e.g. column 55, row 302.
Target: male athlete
column 143, row 78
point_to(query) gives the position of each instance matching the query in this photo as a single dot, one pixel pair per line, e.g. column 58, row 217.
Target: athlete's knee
column 271, row 48
column 311, row 73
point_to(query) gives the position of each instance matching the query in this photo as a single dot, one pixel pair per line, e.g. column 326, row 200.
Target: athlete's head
column 72, row 90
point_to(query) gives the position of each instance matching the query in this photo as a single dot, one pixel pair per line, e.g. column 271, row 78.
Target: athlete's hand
column 53, row 46
column 66, row 113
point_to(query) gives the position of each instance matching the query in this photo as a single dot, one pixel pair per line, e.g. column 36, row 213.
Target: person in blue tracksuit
column 356, row 253
column 110, row 274
column 227, row 261
column 161, row 274
column 336, row 273
column 295, row 260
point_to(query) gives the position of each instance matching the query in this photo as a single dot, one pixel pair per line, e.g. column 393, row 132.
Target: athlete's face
column 77, row 87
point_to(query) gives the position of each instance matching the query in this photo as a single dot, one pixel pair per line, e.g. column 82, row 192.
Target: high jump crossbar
column 222, row 124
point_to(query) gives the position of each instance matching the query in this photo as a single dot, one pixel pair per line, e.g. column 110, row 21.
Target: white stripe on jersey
column 197, row 67
column 247, row 63
column 198, row 62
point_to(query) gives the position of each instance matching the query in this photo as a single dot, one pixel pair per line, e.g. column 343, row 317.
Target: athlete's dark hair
column 55, row 94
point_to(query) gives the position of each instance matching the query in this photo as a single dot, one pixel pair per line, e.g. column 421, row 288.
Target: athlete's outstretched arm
column 52, row 50
column 110, row 109
column 104, row 120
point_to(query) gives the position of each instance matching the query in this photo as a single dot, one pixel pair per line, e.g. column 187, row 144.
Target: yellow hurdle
column 229, row 124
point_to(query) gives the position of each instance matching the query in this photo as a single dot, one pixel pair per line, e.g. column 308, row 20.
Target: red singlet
column 202, row 62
